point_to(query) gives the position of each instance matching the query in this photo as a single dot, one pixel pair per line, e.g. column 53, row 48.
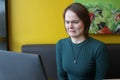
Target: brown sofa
column 47, row 53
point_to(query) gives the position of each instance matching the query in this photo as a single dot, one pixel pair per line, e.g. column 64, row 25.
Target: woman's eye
column 72, row 22
column 67, row 22
column 75, row 22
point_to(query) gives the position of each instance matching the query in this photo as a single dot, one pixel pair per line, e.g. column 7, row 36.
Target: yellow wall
column 40, row 22
column 36, row 22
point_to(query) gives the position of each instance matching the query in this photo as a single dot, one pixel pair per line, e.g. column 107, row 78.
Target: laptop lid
column 21, row 66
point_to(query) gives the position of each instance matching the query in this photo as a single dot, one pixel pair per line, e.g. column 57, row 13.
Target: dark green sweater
column 91, row 56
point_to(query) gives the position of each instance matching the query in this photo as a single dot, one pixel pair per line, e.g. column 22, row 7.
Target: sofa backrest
column 114, row 64
column 20, row 66
column 47, row 52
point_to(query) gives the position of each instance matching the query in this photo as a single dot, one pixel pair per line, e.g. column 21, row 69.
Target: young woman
column 80, row 57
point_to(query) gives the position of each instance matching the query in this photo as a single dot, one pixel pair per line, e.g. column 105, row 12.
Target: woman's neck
column 78, row 39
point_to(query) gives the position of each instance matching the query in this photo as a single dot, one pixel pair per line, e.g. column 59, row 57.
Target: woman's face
column 74, row 26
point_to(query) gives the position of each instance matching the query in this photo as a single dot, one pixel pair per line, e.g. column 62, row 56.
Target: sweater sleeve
column 61, row 74
column 101, row 62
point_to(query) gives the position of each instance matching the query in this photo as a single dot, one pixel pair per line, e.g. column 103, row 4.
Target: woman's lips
column 71, row 30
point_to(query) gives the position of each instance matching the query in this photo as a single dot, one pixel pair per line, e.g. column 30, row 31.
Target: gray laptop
column 21, row 66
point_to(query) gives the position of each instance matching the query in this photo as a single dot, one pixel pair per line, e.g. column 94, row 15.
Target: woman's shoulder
column 62, row 41
column 96, row 42
column 97, row 46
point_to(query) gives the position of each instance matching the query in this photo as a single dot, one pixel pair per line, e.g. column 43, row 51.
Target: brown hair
column 82, row 12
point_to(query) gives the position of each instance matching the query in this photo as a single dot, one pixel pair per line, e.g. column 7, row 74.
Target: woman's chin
column 72, row 35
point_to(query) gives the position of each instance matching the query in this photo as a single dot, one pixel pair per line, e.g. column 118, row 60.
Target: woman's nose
column 70, row 25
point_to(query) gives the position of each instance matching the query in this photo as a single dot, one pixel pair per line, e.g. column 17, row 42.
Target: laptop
column 21, row 66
